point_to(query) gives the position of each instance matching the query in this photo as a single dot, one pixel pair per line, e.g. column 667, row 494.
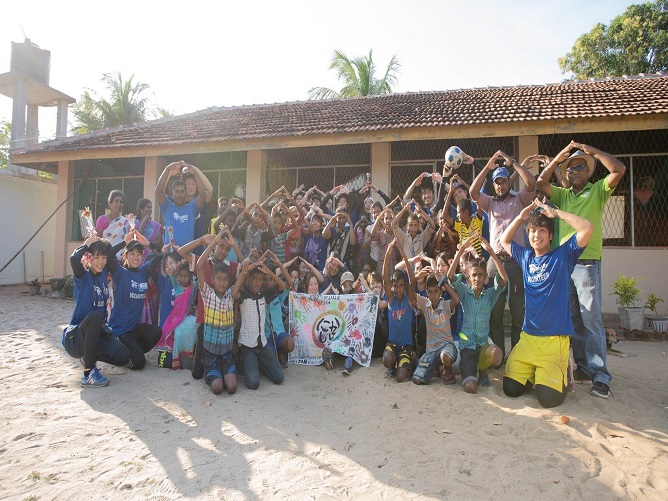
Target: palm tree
column 359, row 77
column 124, row 107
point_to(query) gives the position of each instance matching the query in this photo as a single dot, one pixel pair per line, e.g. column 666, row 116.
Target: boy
column 440, row 346
column 476, row 352
column 397, row 355
column 218, row 339
column 255, row 351
column 540, row 357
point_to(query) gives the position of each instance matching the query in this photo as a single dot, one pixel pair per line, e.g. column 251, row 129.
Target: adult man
column 179, row 214
column 586, row 200
column 501, row 209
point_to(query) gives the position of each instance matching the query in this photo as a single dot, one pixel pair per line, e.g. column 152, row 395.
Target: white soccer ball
column 454, row 157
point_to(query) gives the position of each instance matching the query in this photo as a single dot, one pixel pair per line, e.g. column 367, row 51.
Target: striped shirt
column 477, row 311
column 218, row 320
column 438, row 322
column 252, row 308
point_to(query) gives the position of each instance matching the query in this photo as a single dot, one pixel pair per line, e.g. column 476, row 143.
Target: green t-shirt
column 589, row 204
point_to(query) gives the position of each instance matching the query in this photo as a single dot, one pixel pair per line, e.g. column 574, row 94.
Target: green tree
column 635, row 42
column 125, row 105
column 359, row 77
column 5, row 138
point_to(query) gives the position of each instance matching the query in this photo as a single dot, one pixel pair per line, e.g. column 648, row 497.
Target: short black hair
column 98, row 248
column 465, row 205
column 396, row 276
column 220, row 268
column 539, row 219
column 176, row 183
column 432, row 281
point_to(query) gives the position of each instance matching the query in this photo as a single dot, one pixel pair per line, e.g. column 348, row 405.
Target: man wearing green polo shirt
column 586, row 200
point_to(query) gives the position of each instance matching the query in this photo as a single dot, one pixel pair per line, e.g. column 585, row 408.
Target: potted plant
column 35, row 287
column 658, row 322
column 627, row 292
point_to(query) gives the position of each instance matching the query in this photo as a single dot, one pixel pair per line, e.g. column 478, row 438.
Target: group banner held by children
column 345, row 323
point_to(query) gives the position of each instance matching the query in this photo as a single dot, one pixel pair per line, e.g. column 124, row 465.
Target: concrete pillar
column 381, row 154
column 32, row 125
column 19, row 115
column 256, row 163
column 63, row 218
column 527, row 145
column 61, row 119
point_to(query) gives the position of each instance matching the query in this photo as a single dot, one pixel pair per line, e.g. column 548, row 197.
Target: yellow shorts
column 540, row 360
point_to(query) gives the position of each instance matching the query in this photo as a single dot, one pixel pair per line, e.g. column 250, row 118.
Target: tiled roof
column 638, row 95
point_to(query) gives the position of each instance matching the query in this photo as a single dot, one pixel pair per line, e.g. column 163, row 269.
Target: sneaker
column 599, row 389
column 580, row 375
column 390, row 373
column 94, row 379
column 347, row 366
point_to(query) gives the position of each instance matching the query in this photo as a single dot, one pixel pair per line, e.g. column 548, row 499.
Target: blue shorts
column 430, row 361
column 217, row 366
column 279, row 341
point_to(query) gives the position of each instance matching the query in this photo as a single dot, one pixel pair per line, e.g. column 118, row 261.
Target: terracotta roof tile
column 643, row 94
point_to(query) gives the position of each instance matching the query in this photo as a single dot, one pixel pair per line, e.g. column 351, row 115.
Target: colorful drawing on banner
column 346, row 323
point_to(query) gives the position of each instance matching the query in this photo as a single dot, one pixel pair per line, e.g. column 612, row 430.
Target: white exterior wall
column 650, row 263
column 25, row 205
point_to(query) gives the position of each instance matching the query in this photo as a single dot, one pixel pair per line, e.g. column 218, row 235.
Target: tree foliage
column 359, row 77
column 634, row 42
column 125, row 105
column 5, row 138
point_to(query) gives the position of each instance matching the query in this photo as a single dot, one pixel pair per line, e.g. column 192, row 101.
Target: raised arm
column 614, row 166
column 499, row 265
column 204, row 188
column 462, row 248
column 409, row 191
column 482, row 175
column 315, row 270
column 583, row 227
column 171, row 170
column 411, row 276
column 543, row 181
column 509, row 233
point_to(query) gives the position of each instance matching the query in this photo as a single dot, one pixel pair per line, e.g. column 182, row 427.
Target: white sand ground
column 159, row 434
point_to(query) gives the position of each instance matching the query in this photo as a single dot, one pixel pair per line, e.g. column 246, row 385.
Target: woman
column 113, row 226
column 87, row 335
column 153, row 232
column 130, row 287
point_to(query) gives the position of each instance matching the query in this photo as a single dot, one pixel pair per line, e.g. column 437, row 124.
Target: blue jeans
column 261, row 358
column 589, row 346
column 515, row 293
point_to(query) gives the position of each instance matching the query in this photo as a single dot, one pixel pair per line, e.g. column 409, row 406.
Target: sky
column 199, row 54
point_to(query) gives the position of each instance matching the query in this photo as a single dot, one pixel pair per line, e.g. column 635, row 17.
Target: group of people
column 444, row 259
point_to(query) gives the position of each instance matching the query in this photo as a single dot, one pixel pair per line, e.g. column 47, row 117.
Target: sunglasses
column 576, row 168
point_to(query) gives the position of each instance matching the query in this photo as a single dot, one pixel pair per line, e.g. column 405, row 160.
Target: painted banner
column 346, row 323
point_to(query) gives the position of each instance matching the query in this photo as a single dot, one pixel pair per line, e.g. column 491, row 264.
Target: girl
column 130, row 286
column 87, row 336
column 113, row 226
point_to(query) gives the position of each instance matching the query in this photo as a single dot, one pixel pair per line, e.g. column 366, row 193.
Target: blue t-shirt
column 180, row 219
column 546, row 287
column 167, row 297
column 400, row 319
column 90, row 293
column 130, row 289
column 273, row 321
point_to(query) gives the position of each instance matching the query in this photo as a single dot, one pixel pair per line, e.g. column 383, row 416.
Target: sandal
column 449, row 376
column 483, row 378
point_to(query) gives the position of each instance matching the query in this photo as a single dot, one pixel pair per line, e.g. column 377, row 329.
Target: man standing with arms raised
column 501, row 210
column 586, row 200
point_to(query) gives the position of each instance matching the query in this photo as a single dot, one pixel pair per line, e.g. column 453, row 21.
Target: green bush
column 68, row 288
column 627, row 291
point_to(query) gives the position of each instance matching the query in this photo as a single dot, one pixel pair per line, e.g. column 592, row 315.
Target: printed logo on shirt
column 99, row 297
column 398, row 314
column 537, row 273
column 142, row 286
column 179, row 218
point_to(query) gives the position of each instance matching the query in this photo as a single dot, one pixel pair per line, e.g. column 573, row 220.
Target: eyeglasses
column 576, row 168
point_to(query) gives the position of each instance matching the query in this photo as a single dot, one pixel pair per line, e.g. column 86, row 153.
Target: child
column 179, row 332
column 540, row 357
column 397, row 355
column 218, row 338
column 440, row 347
column 277, row 338
column 255, row 352
column 477, row 302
